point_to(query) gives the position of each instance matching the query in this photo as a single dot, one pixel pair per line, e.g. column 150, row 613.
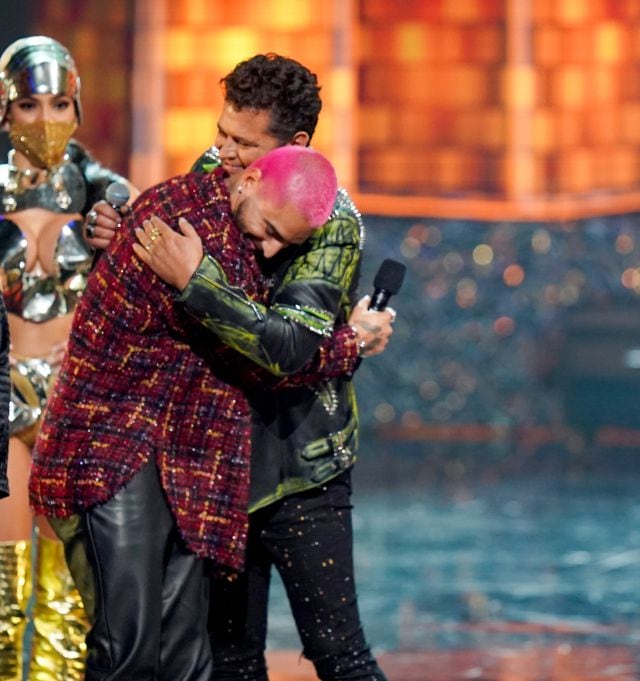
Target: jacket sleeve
column 316, row 290
column 336, row 356
column 96, row 176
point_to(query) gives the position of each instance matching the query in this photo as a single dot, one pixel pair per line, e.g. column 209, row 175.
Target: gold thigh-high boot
column 60, row 625
column 15, row 591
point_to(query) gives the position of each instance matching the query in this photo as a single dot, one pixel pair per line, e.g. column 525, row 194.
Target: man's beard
column 240, row 221
column 268, row 266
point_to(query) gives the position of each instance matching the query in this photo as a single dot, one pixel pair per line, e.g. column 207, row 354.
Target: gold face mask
column 42, row 142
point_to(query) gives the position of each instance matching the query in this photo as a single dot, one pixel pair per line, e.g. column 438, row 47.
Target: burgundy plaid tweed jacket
column 131, row 387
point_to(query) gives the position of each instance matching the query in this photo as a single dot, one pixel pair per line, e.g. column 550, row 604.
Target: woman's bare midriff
column 43, row 340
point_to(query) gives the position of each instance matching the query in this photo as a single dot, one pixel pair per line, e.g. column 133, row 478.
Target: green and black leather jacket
column 304, row 433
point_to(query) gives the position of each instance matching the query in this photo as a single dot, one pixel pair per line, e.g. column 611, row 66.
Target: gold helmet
column 34, row 66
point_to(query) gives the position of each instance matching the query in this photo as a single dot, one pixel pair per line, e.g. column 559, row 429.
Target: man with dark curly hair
column 304, row 437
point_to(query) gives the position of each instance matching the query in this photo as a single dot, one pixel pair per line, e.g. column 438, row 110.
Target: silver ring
column 92, row 217
column 91, row 230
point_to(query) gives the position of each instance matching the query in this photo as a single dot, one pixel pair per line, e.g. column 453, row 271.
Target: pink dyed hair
column 300, row 176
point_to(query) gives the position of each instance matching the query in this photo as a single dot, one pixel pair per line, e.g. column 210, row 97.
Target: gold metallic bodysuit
column 38, row 297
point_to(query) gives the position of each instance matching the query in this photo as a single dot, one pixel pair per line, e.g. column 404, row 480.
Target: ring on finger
column 154, row 233
column 91, row 230
column 92, row 217
column 148, row 245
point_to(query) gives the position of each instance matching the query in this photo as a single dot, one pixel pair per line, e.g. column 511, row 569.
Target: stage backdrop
column 484, row 141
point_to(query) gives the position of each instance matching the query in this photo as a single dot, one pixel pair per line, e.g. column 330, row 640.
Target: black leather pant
column 308, row 538
column 146, row 595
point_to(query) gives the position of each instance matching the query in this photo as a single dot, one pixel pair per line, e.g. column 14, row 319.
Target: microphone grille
column 117, row 194
column 390, row 276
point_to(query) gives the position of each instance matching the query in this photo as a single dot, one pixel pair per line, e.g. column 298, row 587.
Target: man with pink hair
column 142, row 464
column 286, row 184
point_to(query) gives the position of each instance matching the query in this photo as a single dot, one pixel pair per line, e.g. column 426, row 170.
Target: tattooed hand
column 373, row 329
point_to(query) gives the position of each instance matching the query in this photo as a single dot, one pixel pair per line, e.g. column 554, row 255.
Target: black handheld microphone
column 117, row 195
column 387, row 282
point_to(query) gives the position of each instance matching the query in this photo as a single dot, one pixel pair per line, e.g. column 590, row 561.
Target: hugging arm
column 284, row 336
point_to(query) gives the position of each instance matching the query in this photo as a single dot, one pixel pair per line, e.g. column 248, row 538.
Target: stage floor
column 533, row 579
column 562, row 663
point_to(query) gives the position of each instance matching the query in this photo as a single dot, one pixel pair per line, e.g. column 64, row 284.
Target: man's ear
column 301, row 139
column 251, row 180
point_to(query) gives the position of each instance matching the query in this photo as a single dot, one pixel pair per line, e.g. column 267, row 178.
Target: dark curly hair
column 282, row 85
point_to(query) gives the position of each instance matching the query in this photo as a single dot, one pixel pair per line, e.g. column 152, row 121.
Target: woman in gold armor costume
column 46, row 187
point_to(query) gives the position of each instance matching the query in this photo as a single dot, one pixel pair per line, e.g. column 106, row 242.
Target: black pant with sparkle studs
column 308, row 538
